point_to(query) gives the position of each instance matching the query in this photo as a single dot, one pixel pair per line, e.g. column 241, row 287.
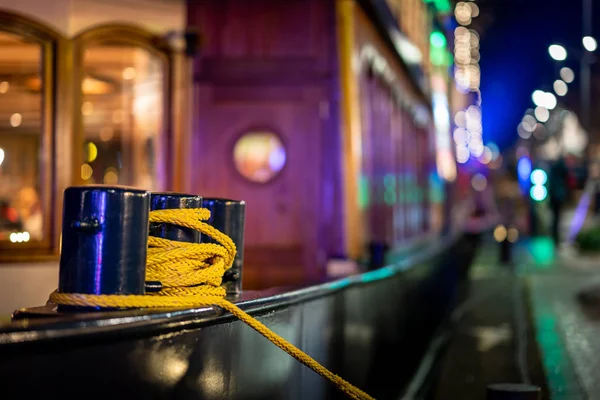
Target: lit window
column 21, row 137
column 123, row 118
column 259, row 156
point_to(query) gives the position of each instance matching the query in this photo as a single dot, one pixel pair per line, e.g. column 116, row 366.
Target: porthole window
column 259, row 156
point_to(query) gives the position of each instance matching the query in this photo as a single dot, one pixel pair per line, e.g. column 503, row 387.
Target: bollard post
column 377, row 253
column 513, row 391
column 505, row 251
column 104, row 241
column 172, row 200
column 228, row 217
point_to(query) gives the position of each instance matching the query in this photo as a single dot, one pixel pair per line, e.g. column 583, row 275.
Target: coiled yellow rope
column 191, row 276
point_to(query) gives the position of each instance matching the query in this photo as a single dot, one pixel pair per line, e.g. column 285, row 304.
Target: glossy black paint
column 170, row 200
column 513, row 391
column 104, row 240
column 372, row 329
column 228, row 216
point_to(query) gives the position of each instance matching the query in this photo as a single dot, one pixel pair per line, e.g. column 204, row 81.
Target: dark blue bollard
column 104, row 240
column 167, row 200
column 377, row 254
column 170, row 200
column 228, row 217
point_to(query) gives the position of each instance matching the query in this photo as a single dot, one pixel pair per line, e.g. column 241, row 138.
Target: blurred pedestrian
column 558, row 192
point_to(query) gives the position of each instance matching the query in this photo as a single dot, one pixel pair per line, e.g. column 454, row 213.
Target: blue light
column 539, row 177
column 277, row 159
column 538, row 192
column 524, row 168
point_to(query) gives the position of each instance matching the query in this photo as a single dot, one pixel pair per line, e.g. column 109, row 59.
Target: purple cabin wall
column 272, row 64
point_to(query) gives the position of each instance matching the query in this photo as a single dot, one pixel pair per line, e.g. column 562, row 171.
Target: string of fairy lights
column 468, row 132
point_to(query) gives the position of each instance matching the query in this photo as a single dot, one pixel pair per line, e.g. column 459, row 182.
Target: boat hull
column 357, row 327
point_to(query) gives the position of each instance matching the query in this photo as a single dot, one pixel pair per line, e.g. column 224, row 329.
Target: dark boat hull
column 358, row 327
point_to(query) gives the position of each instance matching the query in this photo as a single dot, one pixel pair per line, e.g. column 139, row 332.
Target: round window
column 259, row 156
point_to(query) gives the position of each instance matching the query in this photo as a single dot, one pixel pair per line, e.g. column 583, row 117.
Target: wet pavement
column 568, row 331
column 493, row 340
column 525, row 324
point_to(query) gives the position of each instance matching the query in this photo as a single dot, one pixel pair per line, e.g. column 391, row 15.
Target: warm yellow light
column 117, row 116
column 513, row 235
column 463, row 13
column 106, row 133
column 86, row 172
column 92, row 152
column 4, row 87
column 19, row 237
column 15, row 120
column 500, row 233
column 111, row 176
column 94, row 86
column 129, row 73
column 87, row 108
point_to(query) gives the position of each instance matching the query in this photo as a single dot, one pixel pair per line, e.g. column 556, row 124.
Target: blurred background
column 357, row 132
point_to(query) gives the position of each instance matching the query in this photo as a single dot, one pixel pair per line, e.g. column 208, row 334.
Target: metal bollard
column 170, row 200
column 228, row 217
column 377, row 254
column 104, row 241
column 513, row 391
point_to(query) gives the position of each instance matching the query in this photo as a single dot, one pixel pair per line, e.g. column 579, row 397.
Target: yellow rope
column 191, row 276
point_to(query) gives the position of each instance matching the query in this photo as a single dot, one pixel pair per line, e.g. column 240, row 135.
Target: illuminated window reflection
column 259, row 156
column 122, row 111
column 21, row 218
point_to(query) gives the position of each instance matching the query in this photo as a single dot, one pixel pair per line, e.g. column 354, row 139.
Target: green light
column 538, row 192
column 443, row 6
column 437, row 39
column 389, row 180
column 363, row 192
column 439, row 56
column 538, row 177
column 389, row 197
column 542, row 250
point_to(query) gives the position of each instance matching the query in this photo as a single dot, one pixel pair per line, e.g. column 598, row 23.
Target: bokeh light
column 560, row 87
column 557, row 52
column 567, row 74
column 542, row 114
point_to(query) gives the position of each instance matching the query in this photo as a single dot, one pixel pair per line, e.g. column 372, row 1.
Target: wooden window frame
column 126, row 35
column 52, row 44
column 60, row 156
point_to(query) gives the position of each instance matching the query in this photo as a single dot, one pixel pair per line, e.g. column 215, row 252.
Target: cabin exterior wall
column 270, row 65
column 387, row 141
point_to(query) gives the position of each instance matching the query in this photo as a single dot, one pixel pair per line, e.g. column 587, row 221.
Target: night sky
column 515, row 35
